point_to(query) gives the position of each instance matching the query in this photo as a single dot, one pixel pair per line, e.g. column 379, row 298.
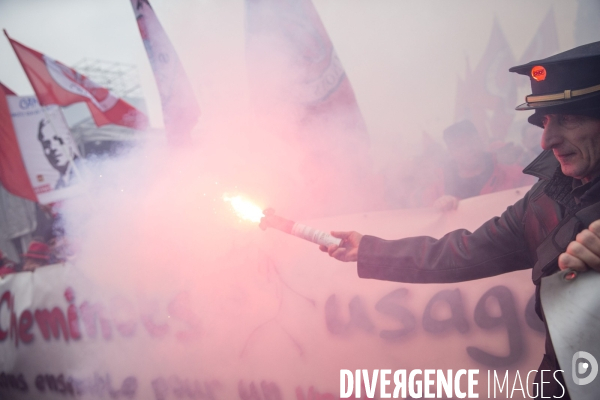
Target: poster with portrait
column 49, row 152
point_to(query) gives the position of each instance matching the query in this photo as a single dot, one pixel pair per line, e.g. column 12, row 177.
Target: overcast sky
column 402, row 56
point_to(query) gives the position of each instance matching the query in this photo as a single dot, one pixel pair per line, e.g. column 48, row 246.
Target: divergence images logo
column 584, row 367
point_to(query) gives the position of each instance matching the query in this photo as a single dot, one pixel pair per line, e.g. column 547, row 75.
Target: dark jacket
column 502, row 244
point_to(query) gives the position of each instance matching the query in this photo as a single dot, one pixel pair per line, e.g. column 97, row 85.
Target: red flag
column 13, row 174
column 179, row 105
column 55, row 83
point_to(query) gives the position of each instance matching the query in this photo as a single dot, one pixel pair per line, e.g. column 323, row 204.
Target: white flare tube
column 314, row 235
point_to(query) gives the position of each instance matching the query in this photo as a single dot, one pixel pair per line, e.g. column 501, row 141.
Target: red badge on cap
column 538, row 73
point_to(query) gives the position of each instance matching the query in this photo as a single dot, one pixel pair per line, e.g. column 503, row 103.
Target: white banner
column 47, row 148
column 264, row 327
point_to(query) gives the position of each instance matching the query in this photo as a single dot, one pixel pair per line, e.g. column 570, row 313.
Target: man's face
column 575, row 141
column 55, row 147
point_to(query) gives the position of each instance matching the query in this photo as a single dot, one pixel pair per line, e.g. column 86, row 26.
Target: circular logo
column 538, row 73
column 581, row 363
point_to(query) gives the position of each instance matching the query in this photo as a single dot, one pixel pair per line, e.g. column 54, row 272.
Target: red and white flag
column 55, row 83
column 13, row 174
column 179, row 105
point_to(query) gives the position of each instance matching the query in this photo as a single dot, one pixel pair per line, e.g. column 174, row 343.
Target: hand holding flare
column 347, row 250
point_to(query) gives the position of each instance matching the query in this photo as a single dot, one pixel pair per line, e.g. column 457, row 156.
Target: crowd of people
column 47, row 245
column 464, row 166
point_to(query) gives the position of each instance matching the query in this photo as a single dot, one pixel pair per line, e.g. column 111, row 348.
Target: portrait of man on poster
column 59, row 151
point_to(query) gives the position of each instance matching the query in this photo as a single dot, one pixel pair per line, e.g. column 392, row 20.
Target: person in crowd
column 471, row 171
column 48, row 245
column 38, row 255
column 507, row 153
column 412, row 174
column 566, row 102
column 48, row 226
column 7, row 266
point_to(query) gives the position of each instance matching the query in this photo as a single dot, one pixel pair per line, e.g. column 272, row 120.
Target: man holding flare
column 566, row 100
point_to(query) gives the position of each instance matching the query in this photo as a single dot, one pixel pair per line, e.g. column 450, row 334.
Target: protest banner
column 266, row 324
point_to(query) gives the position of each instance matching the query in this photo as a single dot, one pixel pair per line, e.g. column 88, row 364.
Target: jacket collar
column 543, row 166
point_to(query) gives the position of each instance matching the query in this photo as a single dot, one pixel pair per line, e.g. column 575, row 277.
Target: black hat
column 566, row 82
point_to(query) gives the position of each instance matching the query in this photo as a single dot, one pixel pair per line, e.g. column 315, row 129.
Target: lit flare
column 249, row 211
column 244, row 208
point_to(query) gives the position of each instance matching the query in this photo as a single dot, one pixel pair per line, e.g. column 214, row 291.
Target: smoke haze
column 153, row 224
